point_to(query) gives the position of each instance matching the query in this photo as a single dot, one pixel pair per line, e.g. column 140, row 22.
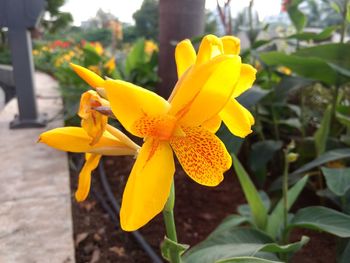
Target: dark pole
column 178, row 20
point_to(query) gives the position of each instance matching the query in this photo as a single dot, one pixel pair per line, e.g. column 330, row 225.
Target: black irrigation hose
column 114, row 212
column 139, row 238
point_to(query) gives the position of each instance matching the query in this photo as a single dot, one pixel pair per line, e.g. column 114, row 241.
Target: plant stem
column 168, row 213
column 334, row 102
column 302, row 114
column 345, row 22
column 259, row 124
column 285, row 195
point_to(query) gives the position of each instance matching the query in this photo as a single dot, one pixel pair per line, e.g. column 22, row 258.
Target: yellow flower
column 93, row 122
column 35, row 52
column 76, row 139
column 285, row 70
column 110, row 65
column 237, row 118
column 95, row 69
column 177, row 125
column 98, row 47
column 150, row 47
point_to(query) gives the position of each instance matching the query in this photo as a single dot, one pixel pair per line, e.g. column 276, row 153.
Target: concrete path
column 35, row 210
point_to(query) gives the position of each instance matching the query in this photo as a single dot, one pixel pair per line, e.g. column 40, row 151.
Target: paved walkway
column 35, row 210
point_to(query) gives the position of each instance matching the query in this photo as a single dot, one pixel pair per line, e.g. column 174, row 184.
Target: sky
column 124, row 9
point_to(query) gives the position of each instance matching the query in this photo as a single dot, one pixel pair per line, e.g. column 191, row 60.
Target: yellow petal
column 213, row 124
column 237, row 119
column 88, row 76
column 232, row 45
column 130, row 103
column 210, row 47
column 93, row 122
column 202, row 155
column 84, row 183
column 185, row 56
column 75, row 139
column 148, row 185
column 245, row 81
column 204, row 90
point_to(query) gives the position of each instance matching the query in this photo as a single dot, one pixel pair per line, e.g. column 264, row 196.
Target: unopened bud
column 292, row 157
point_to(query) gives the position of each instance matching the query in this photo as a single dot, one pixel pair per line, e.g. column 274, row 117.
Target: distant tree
column 55, row 20
column 146, row 19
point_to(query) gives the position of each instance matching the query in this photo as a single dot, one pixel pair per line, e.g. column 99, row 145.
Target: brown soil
column 198, row 210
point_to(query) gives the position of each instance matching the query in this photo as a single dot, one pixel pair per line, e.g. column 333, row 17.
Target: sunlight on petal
column 130, row 103
column 214, row 90
column 185, row 56
column 84, row 183
column 245, row 81
column 232, row 45
column 202, row 155
column 237, row 119
column 88, row 76
column 148, row 186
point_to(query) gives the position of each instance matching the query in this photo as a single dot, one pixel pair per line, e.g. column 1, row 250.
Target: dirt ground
column 198, row 210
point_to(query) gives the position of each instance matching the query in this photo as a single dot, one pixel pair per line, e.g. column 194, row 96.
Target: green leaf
column 335, row 6
column 323, row 219
column 343, row 115
column 335, row 53
column 236, row 243
column 338, row 180
column 321, row 135
column 252, row 96
column 262, row 152
column 306, row 36
column 348, row 13
column 289, row 84
column 324, row 158
column 230, row 222
column 297, row 17
column 136, row 56
column 168, row 245
column 247, row 260
column 276, row 217
column 259, row 211
column 345, row 254
column 301, row 66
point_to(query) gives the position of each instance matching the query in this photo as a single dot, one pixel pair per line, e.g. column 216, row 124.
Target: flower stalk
column 169, row 220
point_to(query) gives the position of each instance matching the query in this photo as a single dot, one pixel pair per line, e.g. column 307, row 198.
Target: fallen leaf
column 95, row 256
column 120, row 251
column 81, row 237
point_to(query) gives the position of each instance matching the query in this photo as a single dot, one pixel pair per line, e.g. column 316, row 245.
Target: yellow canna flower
column 237, row 119
column 76, row 139
column 93, row 122
column 150, row 47
column 285, row 70
column 171, row 126
column 110, row 65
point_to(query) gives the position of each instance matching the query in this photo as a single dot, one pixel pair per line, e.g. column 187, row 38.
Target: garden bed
column 198, row 210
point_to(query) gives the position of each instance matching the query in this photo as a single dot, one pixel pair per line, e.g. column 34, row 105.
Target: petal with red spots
column 202, row 155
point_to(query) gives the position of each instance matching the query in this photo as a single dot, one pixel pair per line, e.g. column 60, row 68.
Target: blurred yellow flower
column 150, row 47
column 95, row 69
column 285, row 70
column 110, row 65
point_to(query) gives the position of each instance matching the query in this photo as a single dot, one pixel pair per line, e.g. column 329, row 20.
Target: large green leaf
column 321, row 135
column 259, row 211
column 252, row 96
column 169, row 246
column 324, row 158
column 324, row 34
column 345, row 254
column 236, row 243
column 262, row 152
column 247, row 260
column 136, row 56
column 323, row 219
column 312, row 67
column 297, row 17
column 276, row 217
column 335, row 53
column 338, row 180
column 230, row 222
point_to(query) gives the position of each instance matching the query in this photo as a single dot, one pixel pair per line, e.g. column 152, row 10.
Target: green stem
column 302, row 115
column 259, row 127
column 334, row 102
column 285, row 195
column 168, row 213
column 275, row 123
column 345, row 22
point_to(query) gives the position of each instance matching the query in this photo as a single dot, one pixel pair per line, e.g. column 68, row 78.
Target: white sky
column 123, row 9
